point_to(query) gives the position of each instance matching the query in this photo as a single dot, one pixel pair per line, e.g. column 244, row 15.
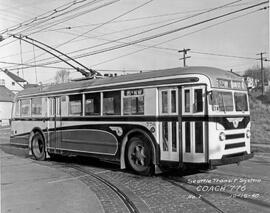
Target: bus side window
column 133, row 104
column 187, row 100
column 112, row 103
column 198, row 100
column 64, row 105
column 17, row 108
column 25, row 107
column 52, row 106
column 92, row 104
column 75, row 104
column 36, row 107
column 173, row 101
column 164, row 98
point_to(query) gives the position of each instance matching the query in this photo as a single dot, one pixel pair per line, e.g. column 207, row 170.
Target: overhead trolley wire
column 176, row 38
column 65, row 19
column 136, row 34
column 167, row 32
column 121, row 15
column 30, row 21
column 155, row 45
column 146, row 17
column 32, row 65
column 155, row 28
column 53, row 18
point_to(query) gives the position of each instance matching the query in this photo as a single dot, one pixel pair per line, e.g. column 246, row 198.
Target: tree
column 255, row 72
column 62, row 76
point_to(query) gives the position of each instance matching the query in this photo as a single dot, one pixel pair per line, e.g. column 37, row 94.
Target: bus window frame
column 17, row 104
column 84, row 104
column 169, row 100
column 120, row 113
column 123, row 96
column 30, row 103
column 41, row 113
column 234, row 112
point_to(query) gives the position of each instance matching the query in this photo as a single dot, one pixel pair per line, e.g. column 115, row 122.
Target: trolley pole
column 262, row 73
column 184, row 51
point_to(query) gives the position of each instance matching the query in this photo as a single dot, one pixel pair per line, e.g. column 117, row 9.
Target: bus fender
column 124, row 143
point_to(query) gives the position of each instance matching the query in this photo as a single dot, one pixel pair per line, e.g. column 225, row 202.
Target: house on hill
column 6, row 101
column 11, row 81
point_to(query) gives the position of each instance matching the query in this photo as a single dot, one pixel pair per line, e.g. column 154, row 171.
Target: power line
column 31, row 65
column 144, row 17
column 178, row 37
column 223, row 55
column 165, row 25
column 168, row 32
column 155, row 28
column 65, row 19
column 121, row 15
column 32, row 20
column 52, row 18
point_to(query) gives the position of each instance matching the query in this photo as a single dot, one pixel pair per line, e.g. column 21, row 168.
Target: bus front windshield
column 222, row 101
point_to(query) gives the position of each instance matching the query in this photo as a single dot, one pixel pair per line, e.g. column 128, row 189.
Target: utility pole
column 184, row 51
column 262, row 73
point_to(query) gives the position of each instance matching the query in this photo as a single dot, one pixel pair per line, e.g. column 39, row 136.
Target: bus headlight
column 248, row 133
column 222, row 136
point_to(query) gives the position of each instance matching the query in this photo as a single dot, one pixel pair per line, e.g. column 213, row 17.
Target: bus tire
column 139, row 156
column 38, row 146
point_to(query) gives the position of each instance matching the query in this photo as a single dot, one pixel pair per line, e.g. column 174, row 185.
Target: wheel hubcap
column 38, row 147
column 138, row 155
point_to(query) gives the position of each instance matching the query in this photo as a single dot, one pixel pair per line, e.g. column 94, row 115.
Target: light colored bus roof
column 114, row 82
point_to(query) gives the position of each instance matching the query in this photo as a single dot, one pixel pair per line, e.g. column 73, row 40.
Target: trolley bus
column 147, row 122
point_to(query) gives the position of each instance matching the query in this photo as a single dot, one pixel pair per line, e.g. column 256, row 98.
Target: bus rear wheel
column 139, row 156
column 38, row 146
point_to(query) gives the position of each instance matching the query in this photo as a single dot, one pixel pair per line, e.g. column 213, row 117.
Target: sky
column 126, row 36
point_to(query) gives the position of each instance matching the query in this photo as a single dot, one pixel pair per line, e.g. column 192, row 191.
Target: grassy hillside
column 260, row 117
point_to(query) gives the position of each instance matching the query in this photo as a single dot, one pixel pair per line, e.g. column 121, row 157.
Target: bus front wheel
column 38, row 146
column 139, row 156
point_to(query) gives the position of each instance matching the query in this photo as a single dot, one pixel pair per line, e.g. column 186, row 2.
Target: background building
column 6, row 101
column 11, row 81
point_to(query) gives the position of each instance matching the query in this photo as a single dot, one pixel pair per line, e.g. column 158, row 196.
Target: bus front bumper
column 231, row 159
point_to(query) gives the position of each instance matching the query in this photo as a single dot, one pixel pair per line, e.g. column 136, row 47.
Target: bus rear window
column 25, row 107
column 240, row 101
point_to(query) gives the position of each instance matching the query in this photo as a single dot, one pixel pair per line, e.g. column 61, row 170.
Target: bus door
column 169, row 125
column 54, row 123
column 193, row 124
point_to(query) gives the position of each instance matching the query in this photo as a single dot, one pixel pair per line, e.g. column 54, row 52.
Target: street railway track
column 180, row 184
column 127, row 202
column 176, row 181
column 130, row 206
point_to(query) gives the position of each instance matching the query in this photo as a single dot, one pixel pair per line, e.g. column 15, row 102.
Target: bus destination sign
column 133, row 92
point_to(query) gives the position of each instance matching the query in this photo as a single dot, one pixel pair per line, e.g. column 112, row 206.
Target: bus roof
column 114, row 82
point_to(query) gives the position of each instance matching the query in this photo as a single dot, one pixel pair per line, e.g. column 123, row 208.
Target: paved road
column 230, row 188
column 28, row 187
